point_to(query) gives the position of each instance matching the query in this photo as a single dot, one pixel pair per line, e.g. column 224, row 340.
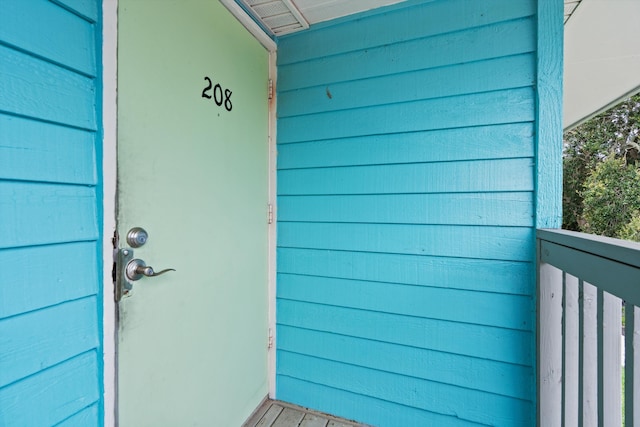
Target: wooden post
column 589, row 356
column 631, row 374
column 611, row 373
column 571, row 350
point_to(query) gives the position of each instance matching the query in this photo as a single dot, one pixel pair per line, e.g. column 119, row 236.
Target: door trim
column 109, row 179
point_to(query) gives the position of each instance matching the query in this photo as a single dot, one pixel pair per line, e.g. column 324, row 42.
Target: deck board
column 280, row 414
column 311, row 420
column 270, row 416
column 289, row 417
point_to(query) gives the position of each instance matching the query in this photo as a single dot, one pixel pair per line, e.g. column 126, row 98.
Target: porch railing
column 582, row 281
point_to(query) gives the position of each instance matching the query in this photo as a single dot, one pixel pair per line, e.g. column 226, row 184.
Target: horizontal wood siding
column 406, row 212
column 50, row 298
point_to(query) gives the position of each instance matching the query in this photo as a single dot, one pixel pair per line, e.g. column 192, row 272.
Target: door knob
column 128, row 269
column 136, row 268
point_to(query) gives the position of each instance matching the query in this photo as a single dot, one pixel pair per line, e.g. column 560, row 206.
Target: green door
column 193, row 172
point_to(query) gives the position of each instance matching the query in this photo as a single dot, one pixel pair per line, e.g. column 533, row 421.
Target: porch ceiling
column 601, row 57
column 316, row 11
column 287, row 16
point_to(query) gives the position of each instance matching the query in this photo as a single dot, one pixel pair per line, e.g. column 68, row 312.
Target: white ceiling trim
column 248, row 22
column 570, row 7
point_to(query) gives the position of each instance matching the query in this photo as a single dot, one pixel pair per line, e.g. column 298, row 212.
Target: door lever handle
column 149, row 272
column 136, row 268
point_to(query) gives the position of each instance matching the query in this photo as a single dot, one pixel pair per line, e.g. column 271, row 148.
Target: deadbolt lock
column 137, row 237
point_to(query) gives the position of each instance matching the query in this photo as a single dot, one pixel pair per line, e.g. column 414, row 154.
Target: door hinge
column 270, row 340
column 270, row 89
column 270, row 214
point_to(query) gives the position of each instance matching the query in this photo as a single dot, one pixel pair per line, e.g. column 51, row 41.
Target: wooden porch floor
column 273, row 413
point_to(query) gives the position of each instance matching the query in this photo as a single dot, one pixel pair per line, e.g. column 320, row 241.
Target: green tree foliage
column 631, row 231
column 596, row 154
column 611, row 197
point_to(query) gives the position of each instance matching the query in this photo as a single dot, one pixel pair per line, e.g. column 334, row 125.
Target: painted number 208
column 219, row 95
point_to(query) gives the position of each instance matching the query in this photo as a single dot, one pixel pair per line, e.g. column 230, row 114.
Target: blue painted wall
column 50, row 261
column 406, row 214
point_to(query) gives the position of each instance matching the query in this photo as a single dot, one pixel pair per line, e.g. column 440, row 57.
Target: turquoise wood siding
column 50, row 261
column 406, row 214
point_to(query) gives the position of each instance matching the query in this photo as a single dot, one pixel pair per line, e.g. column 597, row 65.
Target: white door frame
column 272, row 242
column 109, row 179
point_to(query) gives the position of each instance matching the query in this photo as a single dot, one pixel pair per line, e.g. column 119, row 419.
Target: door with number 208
column 193, row 173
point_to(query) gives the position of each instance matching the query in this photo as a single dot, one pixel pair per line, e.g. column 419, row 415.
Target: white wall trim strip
column 109, row 120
